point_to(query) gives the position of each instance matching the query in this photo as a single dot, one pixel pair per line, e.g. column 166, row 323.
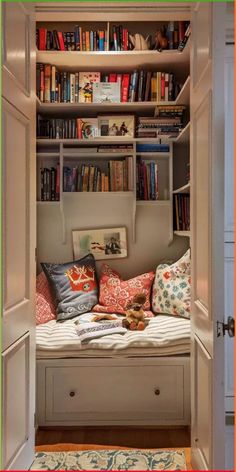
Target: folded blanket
column 93, row 330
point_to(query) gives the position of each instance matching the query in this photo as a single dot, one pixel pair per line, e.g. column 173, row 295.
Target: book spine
column 61, row 41
column 76, row 87
column 56, row 40
column 77, row 38
column 115, row 42
column 47, row 83
column 72, row 88
column 42, row 83
column 154, row 88
column 53, row 85
column 91, row 41
column 68, row 41
column 38, row 80
column 185, row 39
column 72, row 41
column 53, row 184
column 42, row 39
column 87, row 41
column 42, row 184
column 83, row 41
column 101, row 40
column 166, row 87
column 148, row 86
column 162, row 86
column 125, row 87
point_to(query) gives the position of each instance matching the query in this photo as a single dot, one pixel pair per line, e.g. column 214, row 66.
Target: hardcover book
column 106, row 92
column 86, row 81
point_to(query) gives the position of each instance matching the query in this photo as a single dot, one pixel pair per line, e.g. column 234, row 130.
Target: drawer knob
column 72, row 393
column 157, row 391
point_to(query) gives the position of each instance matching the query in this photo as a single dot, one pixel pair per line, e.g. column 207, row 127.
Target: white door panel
column 19, row 227
column 229, row 144
column 207, row 236
column 229, row 342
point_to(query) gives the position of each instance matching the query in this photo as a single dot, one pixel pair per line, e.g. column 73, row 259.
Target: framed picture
column 116, row 125
column 108, row 243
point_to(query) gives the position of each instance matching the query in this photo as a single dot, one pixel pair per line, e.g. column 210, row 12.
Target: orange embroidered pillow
column 115, row 293
column 45, row 308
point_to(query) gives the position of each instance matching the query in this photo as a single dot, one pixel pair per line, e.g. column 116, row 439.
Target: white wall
column 88, row 211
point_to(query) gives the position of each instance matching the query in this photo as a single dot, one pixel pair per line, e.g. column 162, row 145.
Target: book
column 89, row 128
column 86, row 80
column 106, row 92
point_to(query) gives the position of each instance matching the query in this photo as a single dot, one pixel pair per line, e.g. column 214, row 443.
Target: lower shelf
column 182, row 233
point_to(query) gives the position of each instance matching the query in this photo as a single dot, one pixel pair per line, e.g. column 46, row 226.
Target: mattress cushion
column 164, row 335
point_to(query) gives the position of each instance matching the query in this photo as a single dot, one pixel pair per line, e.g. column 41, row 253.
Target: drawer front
column 114, row 393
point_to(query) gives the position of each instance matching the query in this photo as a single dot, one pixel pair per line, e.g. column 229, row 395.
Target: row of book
column 168, row 122
column 79, row 40
column 117, row 177
column 175, row 34
column 53, row 86
column 182, row 212
column 50, row 184
column 147, row 180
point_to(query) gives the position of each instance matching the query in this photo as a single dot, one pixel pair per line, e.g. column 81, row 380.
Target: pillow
column 45, row 309
column 74, row 285
column 115, row 293
column 171, row 288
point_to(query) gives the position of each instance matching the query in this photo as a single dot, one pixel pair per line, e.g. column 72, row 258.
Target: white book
column 72, row 88
column 105, row 92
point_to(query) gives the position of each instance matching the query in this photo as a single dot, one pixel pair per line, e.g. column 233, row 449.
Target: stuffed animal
column 134, row 314
column 161, row 41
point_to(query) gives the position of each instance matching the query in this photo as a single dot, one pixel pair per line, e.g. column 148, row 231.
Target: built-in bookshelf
column 144, row 178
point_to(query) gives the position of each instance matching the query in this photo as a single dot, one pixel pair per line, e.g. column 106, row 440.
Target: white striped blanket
column 165, row 335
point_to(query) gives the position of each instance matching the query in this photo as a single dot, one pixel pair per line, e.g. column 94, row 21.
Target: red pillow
column 45, row 309
column 115, row 293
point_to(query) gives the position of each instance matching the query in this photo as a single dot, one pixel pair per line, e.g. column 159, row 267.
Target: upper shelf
column 70, row 108
column 117, row 60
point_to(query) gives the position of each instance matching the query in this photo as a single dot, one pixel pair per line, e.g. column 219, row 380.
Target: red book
column 61, row 41
column 58, row 183
column 181, row 31
column 79, row 128
column 125, row 39
column 125, row 87
column 163, row 86
column 112, row 77
column 42, row 39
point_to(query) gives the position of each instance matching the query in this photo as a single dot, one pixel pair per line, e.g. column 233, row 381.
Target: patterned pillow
column 45, row 308
column 74, row 285
column 115, row 293
column 171, row 288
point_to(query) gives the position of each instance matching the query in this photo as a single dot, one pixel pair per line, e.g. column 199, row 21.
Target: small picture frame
column 107, row 243
column 116, row 125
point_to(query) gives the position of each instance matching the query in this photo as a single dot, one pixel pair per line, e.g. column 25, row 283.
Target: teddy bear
column 134, row 316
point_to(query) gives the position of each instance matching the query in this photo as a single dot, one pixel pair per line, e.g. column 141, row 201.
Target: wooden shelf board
column 182, row 233
column 48, row 154
column 184, row 94
column 183, row 137
column 98, row 194
column 87, row 142
column 96, row 155
column 153, row 202
column 120, row 60
column 49, row 203
column 184, row 189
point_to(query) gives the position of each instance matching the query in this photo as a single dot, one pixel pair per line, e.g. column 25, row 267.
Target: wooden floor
column 117, row 436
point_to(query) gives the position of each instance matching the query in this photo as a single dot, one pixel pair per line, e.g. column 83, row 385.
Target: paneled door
column 207, row 236
column 19, row 225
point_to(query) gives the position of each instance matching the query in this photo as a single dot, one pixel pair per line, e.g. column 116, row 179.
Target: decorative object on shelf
column 106, row 92
column 161, row 41
column 87, row 128
column 139, row 42
column 108, row 243
column 86, row 81
column 117, row 125
column 134, row 315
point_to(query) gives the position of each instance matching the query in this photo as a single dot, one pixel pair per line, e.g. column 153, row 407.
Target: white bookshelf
column 185, row 234
column 183, row 189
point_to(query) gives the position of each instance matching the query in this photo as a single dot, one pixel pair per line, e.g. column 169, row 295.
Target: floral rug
column 143, row 459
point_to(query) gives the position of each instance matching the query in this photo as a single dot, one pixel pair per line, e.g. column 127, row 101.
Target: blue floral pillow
column 171, row 288
column 74, row 286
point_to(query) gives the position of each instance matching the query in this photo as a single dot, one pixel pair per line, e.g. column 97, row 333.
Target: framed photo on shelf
column 116, row 125
column 108, row 243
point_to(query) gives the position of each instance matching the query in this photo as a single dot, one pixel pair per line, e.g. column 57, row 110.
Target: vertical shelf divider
column 63, row 223
column 171, row 233
column 134, row 206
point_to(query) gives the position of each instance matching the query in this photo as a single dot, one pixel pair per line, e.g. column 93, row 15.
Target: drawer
column 114, row 394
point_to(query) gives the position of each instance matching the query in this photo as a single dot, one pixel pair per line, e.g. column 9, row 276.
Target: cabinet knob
column 72, row 393
column 157, row 391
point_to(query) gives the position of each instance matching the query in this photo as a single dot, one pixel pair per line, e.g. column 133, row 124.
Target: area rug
column 113, row 459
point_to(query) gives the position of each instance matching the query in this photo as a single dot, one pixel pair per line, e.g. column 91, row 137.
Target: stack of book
column 57, row 128
column 182, row 212
column 120, row 39
column 147, row 180
column 53, row 86
column 78, row 40
column 50, row 184
column 167, row 122
column 90, row 178
column 177, row 34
